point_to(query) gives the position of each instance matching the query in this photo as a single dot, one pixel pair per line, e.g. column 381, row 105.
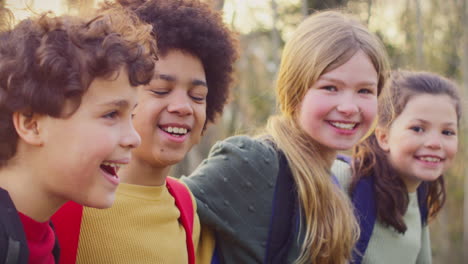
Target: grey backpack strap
column 13, row 251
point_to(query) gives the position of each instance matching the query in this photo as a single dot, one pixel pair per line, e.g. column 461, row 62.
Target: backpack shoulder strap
column 422, row 202
column 344, row 158
column 15, row 249
column 56, row 249
column 183, row 201
column 284, row 214
column 363, row 199
column 67, row 225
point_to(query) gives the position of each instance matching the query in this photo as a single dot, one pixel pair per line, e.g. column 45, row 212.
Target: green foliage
column 326, row 4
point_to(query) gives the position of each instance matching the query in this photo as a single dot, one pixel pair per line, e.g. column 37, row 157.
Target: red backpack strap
column 67, row 224
column 183, row 201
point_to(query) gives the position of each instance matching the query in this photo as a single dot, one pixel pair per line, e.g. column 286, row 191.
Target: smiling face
column 171, row 110
column 83, row 152
column 422, row 141
column 338, row 110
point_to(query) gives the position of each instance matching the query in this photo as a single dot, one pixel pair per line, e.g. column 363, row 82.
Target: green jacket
column 234, row 188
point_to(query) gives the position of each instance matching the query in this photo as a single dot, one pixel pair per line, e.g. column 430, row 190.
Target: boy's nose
column 180, row 105
column 131, row 139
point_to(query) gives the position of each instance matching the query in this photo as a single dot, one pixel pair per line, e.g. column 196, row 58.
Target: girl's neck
column 139, row 172
column 28, row 194
column 411, row 185
column 328, row 154
column 329, row 157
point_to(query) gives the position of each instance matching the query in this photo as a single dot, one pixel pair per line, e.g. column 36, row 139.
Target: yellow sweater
column 141, row 227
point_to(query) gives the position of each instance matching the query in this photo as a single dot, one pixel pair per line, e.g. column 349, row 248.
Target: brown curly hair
column 194, row 27
column 47, row 61
column 370, row 161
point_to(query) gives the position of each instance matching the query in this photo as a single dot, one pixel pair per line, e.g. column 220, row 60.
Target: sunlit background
column 426, row 35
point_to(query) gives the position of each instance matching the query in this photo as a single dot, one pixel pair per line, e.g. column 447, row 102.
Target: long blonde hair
column 321, row 43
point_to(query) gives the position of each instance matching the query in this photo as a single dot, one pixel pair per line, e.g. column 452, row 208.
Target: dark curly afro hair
column 196, row 28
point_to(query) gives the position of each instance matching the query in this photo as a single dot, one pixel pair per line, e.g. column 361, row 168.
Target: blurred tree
column 312, row 5
column 79, row 7
column 464, row 138
column 216, row 4
column 6, row 17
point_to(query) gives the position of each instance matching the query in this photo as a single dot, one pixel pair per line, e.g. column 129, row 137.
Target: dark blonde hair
column 371, row 161
column 48, row 61
column 321, row 43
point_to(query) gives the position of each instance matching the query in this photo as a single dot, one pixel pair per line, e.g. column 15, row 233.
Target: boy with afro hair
column 154, row 219
column 67, row 91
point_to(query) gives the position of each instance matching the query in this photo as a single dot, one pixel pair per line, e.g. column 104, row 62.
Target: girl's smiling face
column 338, row 110
column 422, row 141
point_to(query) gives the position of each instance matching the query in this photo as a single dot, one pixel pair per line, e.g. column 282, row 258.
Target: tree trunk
column 305, row 8
column 419, row 36
column 369, row 10
column 217, row 4
column 275, row 34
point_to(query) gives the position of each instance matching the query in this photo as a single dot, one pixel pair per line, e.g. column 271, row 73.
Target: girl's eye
column 111, row 115
column 417, row 129
column 330, row 88
column 366, row 91
column 449, row 133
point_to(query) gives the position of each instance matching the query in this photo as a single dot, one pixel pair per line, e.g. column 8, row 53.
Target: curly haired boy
column 66, row 100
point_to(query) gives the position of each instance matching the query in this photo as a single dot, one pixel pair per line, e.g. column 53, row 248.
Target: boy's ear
column 27, row 127
column 381, row 134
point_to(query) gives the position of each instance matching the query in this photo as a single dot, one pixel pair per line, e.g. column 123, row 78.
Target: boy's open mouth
column 111, row 168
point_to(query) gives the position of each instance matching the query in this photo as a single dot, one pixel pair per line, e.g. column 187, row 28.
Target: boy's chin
column 102, row 203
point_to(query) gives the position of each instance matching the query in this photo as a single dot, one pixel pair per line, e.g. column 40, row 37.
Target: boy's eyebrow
column 165, row 77
column 342, row 83
column 199, row 83
column 119, row 103
column 170, row 78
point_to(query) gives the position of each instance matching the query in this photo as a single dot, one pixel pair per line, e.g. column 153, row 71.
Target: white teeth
column 430, row 159
column 114, row 165
column 348, row 126
column 176, row 130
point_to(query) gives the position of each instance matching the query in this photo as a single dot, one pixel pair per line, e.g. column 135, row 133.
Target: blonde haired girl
column 331, row 72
